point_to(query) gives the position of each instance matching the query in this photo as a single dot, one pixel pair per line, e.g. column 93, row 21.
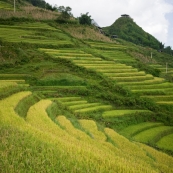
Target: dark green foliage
column 119, row 123
column 128, row 30
column 25, row 104
column 65, row 14
column 168, row 50
column 85, row 19
column 42, row 4
column 11, row 91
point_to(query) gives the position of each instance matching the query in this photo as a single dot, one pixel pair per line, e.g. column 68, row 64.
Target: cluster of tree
column 84, row 19
column 42, row 4
column 167, row 49
column 65, row 14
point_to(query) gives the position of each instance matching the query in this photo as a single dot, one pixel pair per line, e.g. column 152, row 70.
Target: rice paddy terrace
column 5, row 6
column 61, row 121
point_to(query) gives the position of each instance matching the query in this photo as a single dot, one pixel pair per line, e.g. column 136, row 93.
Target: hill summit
column 125, row 28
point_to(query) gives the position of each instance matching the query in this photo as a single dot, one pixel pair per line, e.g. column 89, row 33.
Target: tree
column 65, row 13
column 85, row 19
column 161, row 46
column 168, row 50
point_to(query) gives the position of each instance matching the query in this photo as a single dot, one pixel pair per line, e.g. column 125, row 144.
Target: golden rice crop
column 70, row 153
column 6, row 84
column 91, row 126
column 64, row 122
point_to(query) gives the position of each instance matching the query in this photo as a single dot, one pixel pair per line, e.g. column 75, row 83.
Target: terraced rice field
column 132, row 130
column 91, row 127
column 5, row 6
column 137, row 81
column 79, row 105
column 119, row 113
column 117, row 56
column 166, row 142
column 4, row 86
column 108, row 46
column 36, row 33
column 164, row 69
column 8, row 87
column 149, row 134
column 39, row 138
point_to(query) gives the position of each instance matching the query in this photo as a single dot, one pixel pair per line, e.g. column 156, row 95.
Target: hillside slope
column 125, row 28
column 67, row 95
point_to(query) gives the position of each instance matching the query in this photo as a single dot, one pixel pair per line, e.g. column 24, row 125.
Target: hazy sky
column 154, row 16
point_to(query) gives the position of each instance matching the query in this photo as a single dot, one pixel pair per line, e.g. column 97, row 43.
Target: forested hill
column 125, row 28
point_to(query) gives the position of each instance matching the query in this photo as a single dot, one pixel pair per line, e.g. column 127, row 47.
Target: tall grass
column 29, row 12
column 85, row 32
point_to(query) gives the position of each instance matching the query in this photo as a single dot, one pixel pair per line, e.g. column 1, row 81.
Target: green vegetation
column 85, row 19
column 135, row 129
column 128, row 30
column 147, row 135
column 117, row 113
column 68, row 93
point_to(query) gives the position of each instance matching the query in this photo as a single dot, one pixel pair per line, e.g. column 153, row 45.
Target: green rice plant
column 81, row 106
column 132, row 78
column 152, row 91
column 64, row 50
column 165, row 102
column 90, row 61
column 55, row 88
column 91, row 126
column 13, row 76
column 35, row 25
column 70, row 103
column 5, row 6
column 109, row 47
column 69, row 54
column 160, row 97
column 94, row 108
column 155, row 80
column 104, row 66
column 34, row 37
column 133, row 130
column 153, row 86
column 166, row 142
column 130, row 70
column 118, row 74
column 119, row 113
column 65, row 99
column 147, row 135
column 5, row 85
column 125, row 61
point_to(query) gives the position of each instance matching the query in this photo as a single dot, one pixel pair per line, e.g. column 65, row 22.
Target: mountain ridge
column 125, row 28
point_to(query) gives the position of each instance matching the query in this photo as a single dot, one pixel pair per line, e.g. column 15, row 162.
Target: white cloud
column 149, row 14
